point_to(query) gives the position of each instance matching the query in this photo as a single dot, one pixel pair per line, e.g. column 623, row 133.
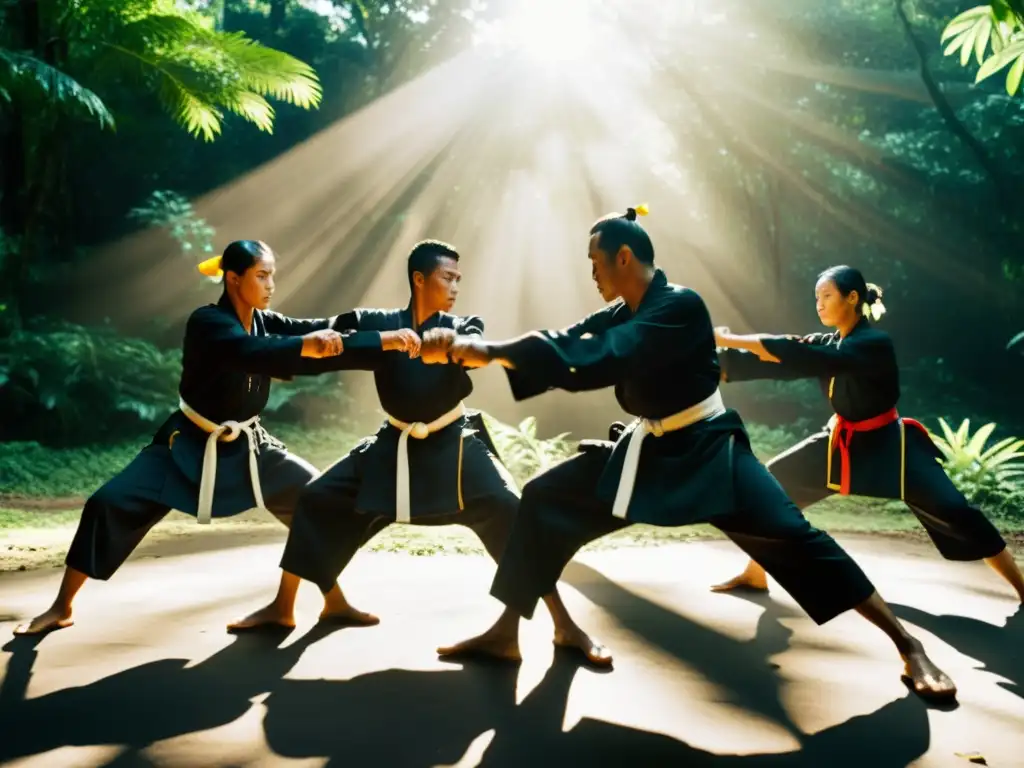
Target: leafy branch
column 993, row 35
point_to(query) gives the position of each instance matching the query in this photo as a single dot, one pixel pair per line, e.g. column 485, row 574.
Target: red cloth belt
column 842, row 434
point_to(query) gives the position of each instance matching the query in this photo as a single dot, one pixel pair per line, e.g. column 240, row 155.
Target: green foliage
column 72, row 384
column 993, row 35
column 197, row 72
column 26, row 78
column 525, row 454
column 986, row 475
column 174, row 214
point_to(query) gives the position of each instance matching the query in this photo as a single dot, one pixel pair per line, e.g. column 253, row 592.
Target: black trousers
column 560, row 513
column 328, row 530
column 958, row 530
column 119, row 515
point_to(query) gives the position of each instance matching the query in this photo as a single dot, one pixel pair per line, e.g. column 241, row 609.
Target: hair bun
column 632, row 213
column 874, row 294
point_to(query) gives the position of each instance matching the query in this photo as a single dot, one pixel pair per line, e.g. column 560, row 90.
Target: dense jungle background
column 857, row 141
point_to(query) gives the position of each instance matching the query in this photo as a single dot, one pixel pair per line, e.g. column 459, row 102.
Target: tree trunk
column 278, row 9
column 24, row 21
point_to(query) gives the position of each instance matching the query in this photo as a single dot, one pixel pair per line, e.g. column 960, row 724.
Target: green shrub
column 523, row 452
column 989, row 476
column 67, row 385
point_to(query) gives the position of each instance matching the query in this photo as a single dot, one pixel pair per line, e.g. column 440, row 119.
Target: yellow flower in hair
column 211, row 267
column 642, row 209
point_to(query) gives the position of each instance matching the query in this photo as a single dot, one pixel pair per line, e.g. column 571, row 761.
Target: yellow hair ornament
column 211, row 267
column 642, row 209
column 874, row 311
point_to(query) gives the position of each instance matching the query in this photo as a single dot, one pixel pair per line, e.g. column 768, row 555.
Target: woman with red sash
column 867, row 448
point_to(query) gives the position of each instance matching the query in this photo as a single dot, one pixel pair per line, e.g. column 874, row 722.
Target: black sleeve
column 547, row 360
column 860, row 352
column 281, row 325
column 741, row 365
column 223, row 338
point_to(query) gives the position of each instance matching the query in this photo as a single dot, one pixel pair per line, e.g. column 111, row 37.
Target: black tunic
column 860, row 377
column 451, row 467
column 661, row 360
column 226, row 375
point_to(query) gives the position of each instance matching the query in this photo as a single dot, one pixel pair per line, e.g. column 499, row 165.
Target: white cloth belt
column 225, row 433
column 419, row 430
column 706, row 409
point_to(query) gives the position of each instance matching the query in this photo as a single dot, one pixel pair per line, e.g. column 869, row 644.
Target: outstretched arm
column 811, row 356
column 220, row 337
column 544, row 360
column 745, row 364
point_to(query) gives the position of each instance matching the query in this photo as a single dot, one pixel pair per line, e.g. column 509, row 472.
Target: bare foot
column 53, row 619
column 746, row 582
column 927, row 679
column 270, row 616
column 490, row 644
column 346, row 614
column 595, row 653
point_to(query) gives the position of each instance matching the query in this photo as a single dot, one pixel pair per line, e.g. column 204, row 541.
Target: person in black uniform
column 686, row 458
column 867, row 449
column 431, row 462
column 212, row 458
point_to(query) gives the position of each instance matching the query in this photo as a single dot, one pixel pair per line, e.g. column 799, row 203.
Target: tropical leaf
column 200, row 74
column 22, row 75
column 966, row 21
column 996, row 62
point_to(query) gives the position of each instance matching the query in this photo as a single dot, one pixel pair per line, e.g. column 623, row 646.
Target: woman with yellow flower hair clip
column 212, row 457
column 867, row 449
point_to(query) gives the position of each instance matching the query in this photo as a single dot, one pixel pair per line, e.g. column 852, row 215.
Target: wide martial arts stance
column 866, row 449
column 686, row 459
column 212, row 457
column 431, row 463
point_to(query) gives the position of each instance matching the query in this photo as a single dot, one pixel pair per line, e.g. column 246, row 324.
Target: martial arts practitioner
column 685, row 459
column 212, row 458
column 430, row 463
column 867, row 449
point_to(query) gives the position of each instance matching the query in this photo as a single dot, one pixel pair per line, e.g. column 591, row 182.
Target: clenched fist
column 436, row 343
column 470, row 352
column 402, row 340
column 322, row 344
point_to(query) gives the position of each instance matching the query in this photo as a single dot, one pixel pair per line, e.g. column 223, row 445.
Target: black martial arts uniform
column 661, row 361
column 226, row 376
column 455, row 474
column 867, row 449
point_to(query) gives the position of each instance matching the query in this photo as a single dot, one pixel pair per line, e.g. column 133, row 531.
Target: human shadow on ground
column 740, row 668
column 151, row 702
column 416, row 719
column 1000, row 649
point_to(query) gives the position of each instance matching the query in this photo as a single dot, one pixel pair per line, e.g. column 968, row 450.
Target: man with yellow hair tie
column 212, row 457
column 685, row 459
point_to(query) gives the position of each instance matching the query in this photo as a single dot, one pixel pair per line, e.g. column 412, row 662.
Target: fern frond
column 199, row 74
column 22, row 74
column 271, row 72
